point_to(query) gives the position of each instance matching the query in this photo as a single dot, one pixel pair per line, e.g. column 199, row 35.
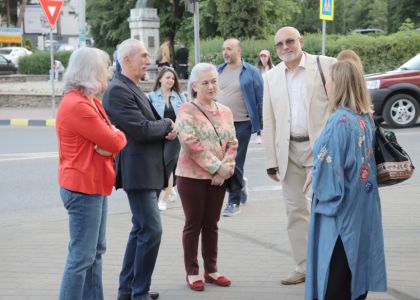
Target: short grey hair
column 195, row 72
column 87, row 71
column 128, row 48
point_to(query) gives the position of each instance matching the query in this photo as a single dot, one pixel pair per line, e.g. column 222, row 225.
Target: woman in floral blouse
column 345, row 247
column 206, row 160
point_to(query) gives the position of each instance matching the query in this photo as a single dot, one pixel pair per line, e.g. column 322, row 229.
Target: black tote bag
column 393, row 164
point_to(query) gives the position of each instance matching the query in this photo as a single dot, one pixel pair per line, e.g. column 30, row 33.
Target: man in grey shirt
column 241, row 89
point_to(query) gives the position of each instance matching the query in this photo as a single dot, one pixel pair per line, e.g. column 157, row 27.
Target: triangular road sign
column 51, row 9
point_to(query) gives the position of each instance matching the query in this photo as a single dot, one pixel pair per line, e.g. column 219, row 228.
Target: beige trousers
column 297, row 204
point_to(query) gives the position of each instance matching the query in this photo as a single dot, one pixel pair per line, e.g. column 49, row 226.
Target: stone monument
column 144, row 25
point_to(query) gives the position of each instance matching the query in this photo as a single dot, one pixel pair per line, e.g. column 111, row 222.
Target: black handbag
column 236, row 181
column 393, row 164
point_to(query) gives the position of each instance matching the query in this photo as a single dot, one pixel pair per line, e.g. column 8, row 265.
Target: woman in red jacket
column 88, row 144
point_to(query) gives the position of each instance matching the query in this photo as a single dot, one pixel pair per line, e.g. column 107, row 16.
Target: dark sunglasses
column 288, row 43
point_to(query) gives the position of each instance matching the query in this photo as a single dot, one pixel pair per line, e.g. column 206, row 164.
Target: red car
column 396, row 94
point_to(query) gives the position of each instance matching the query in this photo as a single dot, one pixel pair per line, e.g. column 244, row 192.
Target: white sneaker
column 173, row 196
column 258, row 139
column 162, row 205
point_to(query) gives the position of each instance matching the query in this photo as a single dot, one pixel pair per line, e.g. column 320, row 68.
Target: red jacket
column 79, row 128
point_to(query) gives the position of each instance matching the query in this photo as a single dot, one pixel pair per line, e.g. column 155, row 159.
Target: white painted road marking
column 27, row 156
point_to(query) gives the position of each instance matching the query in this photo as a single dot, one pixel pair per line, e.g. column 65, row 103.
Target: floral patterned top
column 346, row 204
column 201, row 153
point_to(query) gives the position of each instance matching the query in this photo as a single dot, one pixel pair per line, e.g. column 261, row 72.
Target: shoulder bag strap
column 321, row 73
column 198, row 107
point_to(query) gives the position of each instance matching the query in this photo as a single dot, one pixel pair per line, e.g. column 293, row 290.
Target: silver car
column 14, row 53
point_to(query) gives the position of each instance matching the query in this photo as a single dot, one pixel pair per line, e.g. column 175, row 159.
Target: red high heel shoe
column 220, row 281
column 197, row 285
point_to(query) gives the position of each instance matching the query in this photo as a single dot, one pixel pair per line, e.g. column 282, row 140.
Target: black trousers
column 339, row 279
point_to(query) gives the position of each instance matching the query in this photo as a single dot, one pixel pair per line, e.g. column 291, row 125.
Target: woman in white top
column 166, row 98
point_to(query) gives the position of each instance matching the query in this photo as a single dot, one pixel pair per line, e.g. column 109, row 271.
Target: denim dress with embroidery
column 346, row 203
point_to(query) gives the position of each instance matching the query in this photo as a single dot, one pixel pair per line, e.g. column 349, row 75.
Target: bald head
column 233, row 42
column 232, row 52
column 287, row 30
column 289, row 45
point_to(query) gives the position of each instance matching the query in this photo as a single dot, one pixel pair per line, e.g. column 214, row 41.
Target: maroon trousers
column 202, row 204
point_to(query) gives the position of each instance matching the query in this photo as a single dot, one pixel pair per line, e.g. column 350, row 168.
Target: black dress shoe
column 124, row 297
column 151, row 295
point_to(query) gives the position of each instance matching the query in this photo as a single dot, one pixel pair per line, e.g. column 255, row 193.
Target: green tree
column 340, row 23
column 407, row 25
column 279, row 13
column 241, row 18
column 358, row 14
column 378, row 14
column 307, row 18
column 400, row 10
column 208, row 19
column 8, row 8
column 108, row 23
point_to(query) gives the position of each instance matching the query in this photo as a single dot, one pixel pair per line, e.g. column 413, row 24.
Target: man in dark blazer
column 139, row 166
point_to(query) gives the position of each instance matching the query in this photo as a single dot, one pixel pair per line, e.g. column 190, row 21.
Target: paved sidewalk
column 41, row 113
column 25, row 116
column 253, row 251
column 30, row 87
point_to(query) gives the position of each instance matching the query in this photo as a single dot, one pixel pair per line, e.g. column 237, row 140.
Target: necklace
column 213, row 109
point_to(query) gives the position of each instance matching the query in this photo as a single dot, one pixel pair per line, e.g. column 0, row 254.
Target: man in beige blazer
column 295, row 110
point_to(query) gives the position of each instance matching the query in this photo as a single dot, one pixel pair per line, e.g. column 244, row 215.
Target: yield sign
column 51, row 9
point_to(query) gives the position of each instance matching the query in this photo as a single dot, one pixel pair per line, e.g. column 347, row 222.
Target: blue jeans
column 243, row 134
column 82, row 277
column 143, row 243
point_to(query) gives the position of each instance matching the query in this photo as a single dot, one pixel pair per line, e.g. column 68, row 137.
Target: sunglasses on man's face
column 288, row 43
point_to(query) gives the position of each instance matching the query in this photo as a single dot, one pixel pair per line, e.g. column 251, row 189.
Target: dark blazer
column 140, row 165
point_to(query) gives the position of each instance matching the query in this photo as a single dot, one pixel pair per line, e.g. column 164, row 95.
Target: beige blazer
column 276, row 109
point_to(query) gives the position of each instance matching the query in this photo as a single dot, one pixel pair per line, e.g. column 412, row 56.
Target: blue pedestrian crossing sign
column 326, row 10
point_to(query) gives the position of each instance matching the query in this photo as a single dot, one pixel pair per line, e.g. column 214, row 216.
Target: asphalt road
column 28, row 172
column 34, row 226
column 28, row 169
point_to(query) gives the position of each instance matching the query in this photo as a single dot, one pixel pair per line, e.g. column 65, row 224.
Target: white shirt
column 296, row 87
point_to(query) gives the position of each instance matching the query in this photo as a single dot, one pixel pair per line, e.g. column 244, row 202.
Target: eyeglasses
column 206, row 83
column 288, row 43
column 263, row 55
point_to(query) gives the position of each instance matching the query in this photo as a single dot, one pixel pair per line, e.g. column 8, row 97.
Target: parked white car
column 14, row 53
column 66, row 47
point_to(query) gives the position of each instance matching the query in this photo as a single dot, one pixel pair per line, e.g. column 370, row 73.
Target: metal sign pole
column 52, row 73
column 324, row 29
column 82, row 23
column 196, row 31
